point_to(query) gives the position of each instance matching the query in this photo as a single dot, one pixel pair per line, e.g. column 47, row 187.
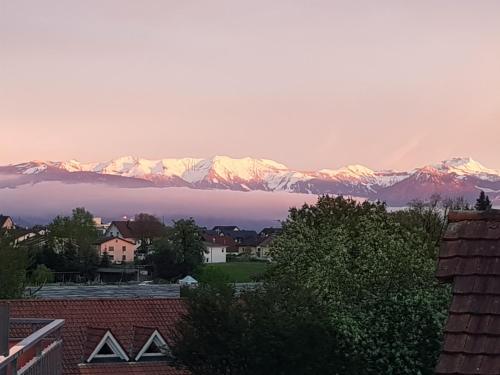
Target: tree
column 42, row 275
column 483, row 202
column 147, row 227
column 375, row 274
column 105, row 260
column 180, row 252
column 270, row 330
column 13, row 265
column 74, row 237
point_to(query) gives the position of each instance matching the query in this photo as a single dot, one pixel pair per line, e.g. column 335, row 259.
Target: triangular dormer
column 155, row 346
column 108, row 349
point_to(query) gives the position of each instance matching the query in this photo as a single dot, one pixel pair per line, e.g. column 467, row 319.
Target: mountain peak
column 465, row 166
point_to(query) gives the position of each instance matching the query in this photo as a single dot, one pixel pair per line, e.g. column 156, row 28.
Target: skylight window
column 108, row 349
column 156, row 346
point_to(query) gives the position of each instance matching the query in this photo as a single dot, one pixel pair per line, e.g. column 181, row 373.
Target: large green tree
column 180, row 252
column 73, row 237
column 375, row 274
column 270, row 330
column 13, row 265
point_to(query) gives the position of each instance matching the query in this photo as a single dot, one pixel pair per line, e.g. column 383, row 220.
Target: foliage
column 73, row 237
column 272, row 330
column 147, row 227
column 105, row 260
column 42, row 275
column 238, row 272
column 179, row 253
column 13, row 264
column 483, row 203
column 375, row 272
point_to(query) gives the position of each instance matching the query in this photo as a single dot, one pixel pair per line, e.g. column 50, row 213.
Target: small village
column 123, row 247
column 254, row 187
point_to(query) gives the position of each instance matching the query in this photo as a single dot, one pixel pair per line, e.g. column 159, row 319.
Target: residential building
column 225, row 230
column 6, row 223
column 263, row 248
column 266, row 232
column 136, row 231
column 119, row 250
column 218, row 248
column 100, row 226
column 111, row 336
column 469, row 259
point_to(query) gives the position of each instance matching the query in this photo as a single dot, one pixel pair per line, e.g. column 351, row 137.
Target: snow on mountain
column 457, row 176
column 467, row 167
column 354, row 172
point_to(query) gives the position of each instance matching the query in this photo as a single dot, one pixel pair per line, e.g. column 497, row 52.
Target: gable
column 155, row 346
column 108, row 348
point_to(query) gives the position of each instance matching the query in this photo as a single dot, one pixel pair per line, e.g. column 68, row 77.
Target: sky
column 312, row 84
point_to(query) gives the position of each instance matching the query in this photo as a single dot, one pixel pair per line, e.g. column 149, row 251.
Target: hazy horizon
column 318, row 84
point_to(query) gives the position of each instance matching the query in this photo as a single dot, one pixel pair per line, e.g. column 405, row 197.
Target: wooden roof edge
column 489, row 215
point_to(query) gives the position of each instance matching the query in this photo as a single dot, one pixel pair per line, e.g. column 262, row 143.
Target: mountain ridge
column 453, row 177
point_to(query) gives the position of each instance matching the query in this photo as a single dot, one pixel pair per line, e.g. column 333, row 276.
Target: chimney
column 4, row 330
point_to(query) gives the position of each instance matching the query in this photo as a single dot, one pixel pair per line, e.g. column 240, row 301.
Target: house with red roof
column 136, row 231
column 111, row 336
column 218, row 247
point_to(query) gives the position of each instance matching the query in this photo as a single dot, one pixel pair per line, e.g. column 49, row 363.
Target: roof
column 188, row 280
column 3, row 219
column 270, row 231
column 100, row 241
column 267, row 241
column 139, row 229
column 87, row 320
column 218, row 240
column 470, row 259
column 225, row 228
column 246, row 237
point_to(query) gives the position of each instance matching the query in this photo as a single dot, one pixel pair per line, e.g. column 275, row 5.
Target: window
column 111, row 248
column 108, row 349
column 124, row 248
column 156, row 346
column 124, row 257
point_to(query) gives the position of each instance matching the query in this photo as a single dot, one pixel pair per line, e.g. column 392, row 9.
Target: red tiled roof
column 221, row 241
column 138, row 229
column 218, row 240
column 86, row 319
column 130, row 368
column 470, row 259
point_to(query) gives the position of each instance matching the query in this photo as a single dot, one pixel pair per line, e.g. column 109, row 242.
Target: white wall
column 216, row 254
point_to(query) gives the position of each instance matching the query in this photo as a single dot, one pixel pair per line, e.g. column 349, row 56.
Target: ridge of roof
column 489, row 215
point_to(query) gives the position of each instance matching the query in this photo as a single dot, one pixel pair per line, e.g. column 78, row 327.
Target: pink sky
column 313, row 84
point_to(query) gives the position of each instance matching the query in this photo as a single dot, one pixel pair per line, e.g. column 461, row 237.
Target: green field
column 241, row 272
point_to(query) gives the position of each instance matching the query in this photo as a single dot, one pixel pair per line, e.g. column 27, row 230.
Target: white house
column 217, row 248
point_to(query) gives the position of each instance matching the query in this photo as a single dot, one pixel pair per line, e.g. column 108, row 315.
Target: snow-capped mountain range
column 454, row 177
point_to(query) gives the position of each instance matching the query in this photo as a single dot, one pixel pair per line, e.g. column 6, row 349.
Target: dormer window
column 155, row 347
column 108, row 349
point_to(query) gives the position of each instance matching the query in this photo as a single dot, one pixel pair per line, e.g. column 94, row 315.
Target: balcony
column 30, row 346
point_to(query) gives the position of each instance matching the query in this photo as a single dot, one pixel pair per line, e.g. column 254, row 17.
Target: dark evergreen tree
column 483, row 202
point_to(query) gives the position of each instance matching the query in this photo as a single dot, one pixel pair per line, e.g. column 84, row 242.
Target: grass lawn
column 240, row 272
